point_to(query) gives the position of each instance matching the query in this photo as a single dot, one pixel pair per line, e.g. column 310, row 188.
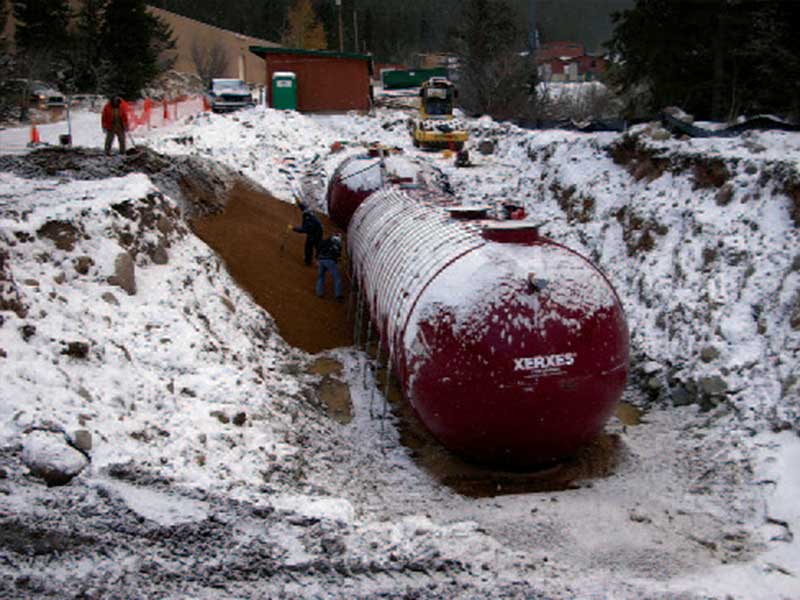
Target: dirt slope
column 249, row 236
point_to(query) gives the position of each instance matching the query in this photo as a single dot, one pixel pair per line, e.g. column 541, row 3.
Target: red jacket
column 108, row 115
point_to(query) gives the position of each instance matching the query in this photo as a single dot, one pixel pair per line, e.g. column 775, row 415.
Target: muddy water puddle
column 598, row 460
column 335, row 395
column 326, row 366
column 331, row 390
column 629, row 414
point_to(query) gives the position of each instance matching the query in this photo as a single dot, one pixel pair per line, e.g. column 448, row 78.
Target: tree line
column 390, row 31
column 396, row 30
column 714, row 58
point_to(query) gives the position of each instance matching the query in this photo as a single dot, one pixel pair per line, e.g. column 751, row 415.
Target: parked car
column 45, row 96
column 227, row 95
column 40, row 94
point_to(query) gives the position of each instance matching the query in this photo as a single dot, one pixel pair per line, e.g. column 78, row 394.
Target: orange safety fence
column 157, row 113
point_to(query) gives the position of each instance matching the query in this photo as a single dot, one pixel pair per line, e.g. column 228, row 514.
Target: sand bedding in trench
column 266, row 260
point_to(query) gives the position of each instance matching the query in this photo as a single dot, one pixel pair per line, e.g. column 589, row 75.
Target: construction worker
column 115, row 123
column 330, row 250
column 313, row 230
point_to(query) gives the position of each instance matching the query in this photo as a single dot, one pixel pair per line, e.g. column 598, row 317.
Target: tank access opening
column 511, row 232
column 469, row 213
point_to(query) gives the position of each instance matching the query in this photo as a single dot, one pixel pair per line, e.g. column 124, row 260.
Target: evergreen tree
column 303, row 28
column 3, row 23
column 495, row 78
column 41, row 25
column 327, row 15
column 368, row 30
column 272, row 23
column 133, row 40
column 162, row 44
column 663, row 52
column 771, row 54
column 713, row 58
column 89, row 65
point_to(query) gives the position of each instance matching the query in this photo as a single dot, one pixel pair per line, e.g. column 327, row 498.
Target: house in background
column 568, row 61
column 188, row 33
column 433, row 60
column 324, row 81
column 241, row 64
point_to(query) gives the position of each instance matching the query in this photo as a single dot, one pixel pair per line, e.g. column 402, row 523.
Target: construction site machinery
column 435, row 126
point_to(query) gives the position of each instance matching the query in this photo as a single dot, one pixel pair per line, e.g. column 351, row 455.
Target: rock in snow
column 124, row 273
column 48, row 456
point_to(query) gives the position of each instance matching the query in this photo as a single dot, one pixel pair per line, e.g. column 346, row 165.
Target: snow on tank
column 360, row 175
column 511, row 348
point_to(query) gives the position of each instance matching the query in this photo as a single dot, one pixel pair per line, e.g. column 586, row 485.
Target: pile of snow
column 292, row 152
column 697, row 237
column 127, row 325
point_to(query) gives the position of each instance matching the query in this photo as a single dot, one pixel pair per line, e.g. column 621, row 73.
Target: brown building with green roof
column 326, row 81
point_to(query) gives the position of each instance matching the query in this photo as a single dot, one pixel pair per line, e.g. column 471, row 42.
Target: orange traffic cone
column 34, row 136
column 206, row 105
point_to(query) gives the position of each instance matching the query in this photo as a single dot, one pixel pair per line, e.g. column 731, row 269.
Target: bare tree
column 495, row 78
column 304, row 30
column 556, row 101
column 211, row 61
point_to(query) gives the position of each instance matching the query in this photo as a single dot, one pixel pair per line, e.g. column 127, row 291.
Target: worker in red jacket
column 115, row 123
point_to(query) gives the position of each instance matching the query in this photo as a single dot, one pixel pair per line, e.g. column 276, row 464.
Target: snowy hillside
column 201, row 462
column 701, row 240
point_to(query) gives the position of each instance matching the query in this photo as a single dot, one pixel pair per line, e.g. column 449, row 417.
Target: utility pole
column 341, row 26
column 533, row 37
column 355, row 29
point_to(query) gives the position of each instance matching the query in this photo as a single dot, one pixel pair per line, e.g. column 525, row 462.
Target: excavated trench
column 267, row 261
column 248, row 228
column 251, row 236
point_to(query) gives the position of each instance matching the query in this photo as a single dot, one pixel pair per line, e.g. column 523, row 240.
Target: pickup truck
column 227, row 95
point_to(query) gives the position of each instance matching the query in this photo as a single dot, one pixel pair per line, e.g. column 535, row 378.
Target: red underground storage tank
column 362, row 174
column 511, row 348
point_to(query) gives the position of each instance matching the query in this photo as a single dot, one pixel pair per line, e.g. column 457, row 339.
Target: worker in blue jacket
column 330, row 250
column 313, row 230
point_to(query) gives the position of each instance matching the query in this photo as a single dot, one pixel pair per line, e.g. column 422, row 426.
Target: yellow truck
column 435, row 126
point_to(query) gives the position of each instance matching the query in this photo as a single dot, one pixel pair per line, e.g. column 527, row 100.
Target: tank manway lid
column 511, row 232
column 468, row 213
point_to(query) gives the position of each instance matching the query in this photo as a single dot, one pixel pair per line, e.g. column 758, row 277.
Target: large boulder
column 49, row 456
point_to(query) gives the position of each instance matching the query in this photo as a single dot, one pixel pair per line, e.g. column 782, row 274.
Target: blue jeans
column 325, row 265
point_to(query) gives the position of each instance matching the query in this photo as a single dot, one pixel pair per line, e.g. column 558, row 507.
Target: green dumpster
column 284, row 91
column 394, row 79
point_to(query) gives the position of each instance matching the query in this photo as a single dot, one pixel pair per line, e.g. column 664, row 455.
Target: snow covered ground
column 215, row 471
